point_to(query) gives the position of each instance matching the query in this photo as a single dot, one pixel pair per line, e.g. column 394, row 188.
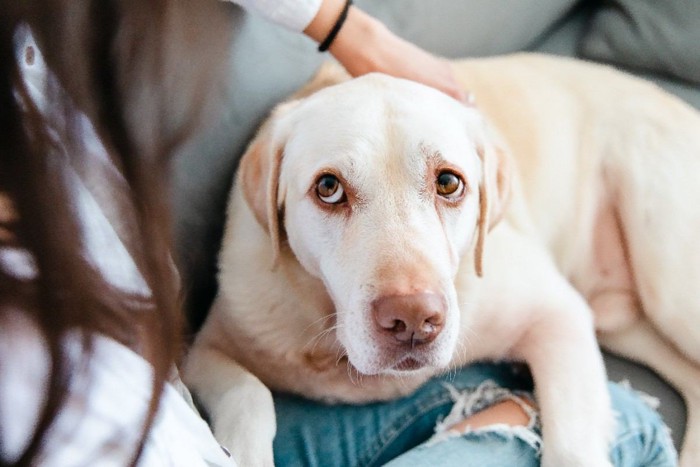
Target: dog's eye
column 330, row 190
column 449, row 185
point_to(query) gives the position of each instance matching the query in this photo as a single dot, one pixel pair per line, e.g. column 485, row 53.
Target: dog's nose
column 410, row 319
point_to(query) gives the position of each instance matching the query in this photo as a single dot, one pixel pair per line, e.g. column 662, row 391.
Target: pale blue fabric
column 313, row 434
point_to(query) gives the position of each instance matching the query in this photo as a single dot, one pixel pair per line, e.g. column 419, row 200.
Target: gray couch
column 267, row 63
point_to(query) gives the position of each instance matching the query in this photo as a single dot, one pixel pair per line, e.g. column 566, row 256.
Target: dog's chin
column 402, row 366
column 378, row 358
column 409, row 366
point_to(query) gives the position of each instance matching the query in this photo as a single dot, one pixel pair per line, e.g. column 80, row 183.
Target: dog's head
column 379, row 187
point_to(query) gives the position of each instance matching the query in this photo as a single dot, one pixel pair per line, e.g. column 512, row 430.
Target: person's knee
column 507, row 412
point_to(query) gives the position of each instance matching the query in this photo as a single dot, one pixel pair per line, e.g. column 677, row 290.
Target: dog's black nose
column 410, row 319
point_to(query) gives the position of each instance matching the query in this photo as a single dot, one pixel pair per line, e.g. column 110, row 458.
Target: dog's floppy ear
column 494, row 189
column 259, row 173
column 259, row 170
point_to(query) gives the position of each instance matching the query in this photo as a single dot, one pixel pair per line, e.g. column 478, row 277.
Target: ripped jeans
column 410, row 431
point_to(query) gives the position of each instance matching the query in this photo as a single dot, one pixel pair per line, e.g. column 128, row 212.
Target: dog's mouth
column 408, row 364
column 403, row 365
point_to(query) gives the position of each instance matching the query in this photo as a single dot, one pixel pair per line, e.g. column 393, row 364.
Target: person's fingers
column 449, row 85
column 414, row 63
column 381, row 50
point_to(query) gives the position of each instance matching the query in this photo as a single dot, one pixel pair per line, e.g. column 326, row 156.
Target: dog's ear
column 494, row 189
column 259, row 173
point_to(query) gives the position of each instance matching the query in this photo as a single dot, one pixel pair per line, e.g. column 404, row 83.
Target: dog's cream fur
column 581, row 206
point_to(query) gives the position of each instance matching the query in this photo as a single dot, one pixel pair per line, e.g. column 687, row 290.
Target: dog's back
column 608, row 165
column 604, row 158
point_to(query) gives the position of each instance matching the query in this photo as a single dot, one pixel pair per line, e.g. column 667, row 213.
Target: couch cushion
column 566, row 38
column 469, row 27
column 653, row 35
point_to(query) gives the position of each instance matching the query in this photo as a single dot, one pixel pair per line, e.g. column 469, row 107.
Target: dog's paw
column 249, row 457
column 250, row 445
column 244, row 423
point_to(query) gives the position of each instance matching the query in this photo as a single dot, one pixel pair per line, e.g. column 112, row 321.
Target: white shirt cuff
column 292, row 14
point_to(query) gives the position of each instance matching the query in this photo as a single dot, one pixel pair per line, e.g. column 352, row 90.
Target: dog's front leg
column 570, row 380
column 239, row 404
column 552, row 330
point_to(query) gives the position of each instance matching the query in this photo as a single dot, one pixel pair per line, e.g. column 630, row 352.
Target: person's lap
column 314, row 434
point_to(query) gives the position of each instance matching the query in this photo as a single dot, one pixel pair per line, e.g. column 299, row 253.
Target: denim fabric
column 313, row 434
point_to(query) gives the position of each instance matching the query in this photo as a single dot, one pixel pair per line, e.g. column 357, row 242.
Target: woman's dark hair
column 123, row 65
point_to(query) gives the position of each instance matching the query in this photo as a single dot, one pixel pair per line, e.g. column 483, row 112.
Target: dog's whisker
column 461, row 350
column 402, row 381
column 454, row 370
column 314, row 341
column 350, row 371
column 340, row 353
column 320, row 320
column 359, row 377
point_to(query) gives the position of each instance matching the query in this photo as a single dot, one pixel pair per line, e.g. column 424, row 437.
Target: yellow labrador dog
column 380, row 230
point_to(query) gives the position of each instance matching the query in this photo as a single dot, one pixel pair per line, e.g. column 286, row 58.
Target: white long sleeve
column 292, row 14
column 100, row 423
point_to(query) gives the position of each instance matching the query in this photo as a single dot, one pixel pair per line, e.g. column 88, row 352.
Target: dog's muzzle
column 405, row 325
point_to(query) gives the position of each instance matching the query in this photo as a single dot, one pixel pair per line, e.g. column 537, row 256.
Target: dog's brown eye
column 449, row 185
column 330, row 190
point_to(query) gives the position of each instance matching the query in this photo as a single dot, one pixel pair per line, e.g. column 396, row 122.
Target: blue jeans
column 398, row 432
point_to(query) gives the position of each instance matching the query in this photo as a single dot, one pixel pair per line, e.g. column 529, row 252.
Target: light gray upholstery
column 661, row 37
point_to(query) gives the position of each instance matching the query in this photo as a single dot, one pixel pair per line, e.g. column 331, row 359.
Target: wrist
column 324, row 20
column 358, row 56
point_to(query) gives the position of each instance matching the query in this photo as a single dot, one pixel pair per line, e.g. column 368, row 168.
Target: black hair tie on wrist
column 336, row 27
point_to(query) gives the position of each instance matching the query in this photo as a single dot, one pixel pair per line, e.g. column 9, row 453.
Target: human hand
column 366, row 45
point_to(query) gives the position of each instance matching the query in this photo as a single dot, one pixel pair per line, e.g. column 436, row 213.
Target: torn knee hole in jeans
column 463, row 418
